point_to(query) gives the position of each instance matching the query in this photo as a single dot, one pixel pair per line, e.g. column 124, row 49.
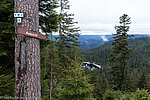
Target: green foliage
column 117, row 95
column 141, row 95
column 7, row 35
column 126, row 97
column 48, row 21
column 57, row 54
column 68, row 35
column 98, row 54
column 99, row 80
column 109, row 95
column 138, row 57
column 7, row 48
column 49, row 65
column 148, row 82
column 48, row 18
column 45, row 89
column 119, row 55
column 70, row 83
column 112, row 95
column 75, row 86
column 7, row 84
column 143, row 81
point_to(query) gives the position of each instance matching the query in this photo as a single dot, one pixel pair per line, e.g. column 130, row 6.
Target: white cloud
column 100, row 16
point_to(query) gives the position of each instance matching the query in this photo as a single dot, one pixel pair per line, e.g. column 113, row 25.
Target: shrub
column 141, row 95
column 112, row 95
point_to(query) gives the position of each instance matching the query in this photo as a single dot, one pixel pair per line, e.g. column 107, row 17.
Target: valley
column 138, row 58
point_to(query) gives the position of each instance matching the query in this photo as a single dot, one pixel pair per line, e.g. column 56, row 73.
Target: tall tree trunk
column 51, row 75
column 51, row 70
column 27, row 53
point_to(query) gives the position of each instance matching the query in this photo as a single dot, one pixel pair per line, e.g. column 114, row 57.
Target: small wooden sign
column 31, row 34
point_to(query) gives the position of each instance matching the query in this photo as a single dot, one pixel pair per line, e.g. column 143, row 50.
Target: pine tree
column 119, row 55
column 50, row 73
column 7, row 35
column 141, row 95
column 48, row 17
column 142, row 84
column 7, row 84
column 68, row 35
column 75, row 86
column 7, row 77
column 59, row 54
column 48, row 24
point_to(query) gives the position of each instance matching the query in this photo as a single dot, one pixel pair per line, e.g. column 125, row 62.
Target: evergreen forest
column 124, row 61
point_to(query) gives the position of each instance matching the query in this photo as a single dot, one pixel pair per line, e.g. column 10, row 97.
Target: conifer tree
column 48, row 24
column 7, row 84
column 7, row 35
column 142, row 84
column 119, row 55
column 75, row 89
column 7, row 77
column 68, row 35
column 75, row 86
column 48, row 19
column 141, row 94
column 50, row 73
column 48, row 16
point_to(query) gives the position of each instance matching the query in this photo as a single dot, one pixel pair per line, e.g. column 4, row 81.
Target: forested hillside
column 61, row 71
column 62, row 75
column 138, row 58
column 92, row 41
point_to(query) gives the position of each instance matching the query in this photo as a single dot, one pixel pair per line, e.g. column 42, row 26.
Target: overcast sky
column 101, row 16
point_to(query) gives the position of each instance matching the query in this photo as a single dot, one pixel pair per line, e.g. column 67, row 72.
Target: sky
column 101, row 16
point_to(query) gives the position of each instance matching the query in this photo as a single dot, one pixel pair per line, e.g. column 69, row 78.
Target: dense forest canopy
column 62, row 74
column 137, row 58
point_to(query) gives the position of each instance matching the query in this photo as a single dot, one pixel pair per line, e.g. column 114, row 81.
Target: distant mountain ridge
column 92, row 41
column 139, row 56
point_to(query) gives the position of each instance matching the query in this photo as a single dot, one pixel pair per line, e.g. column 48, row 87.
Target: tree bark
column 27, row 53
